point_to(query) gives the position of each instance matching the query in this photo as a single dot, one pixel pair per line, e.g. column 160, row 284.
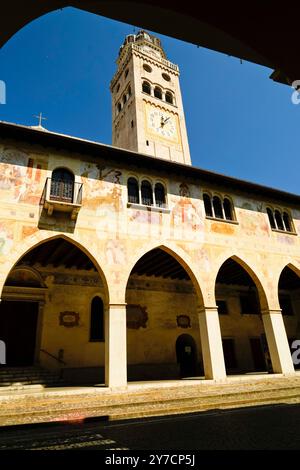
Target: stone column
column 211, row 342
column 277, row 342
column 115, row 346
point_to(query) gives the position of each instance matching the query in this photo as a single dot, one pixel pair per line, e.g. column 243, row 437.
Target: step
column 135, row 405
column 27, row 377
column 35, row 416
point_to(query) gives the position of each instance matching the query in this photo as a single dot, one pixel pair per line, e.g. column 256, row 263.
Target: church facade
column 125, row 262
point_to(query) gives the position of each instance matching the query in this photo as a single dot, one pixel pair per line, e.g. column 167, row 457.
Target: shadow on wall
column 59, row 223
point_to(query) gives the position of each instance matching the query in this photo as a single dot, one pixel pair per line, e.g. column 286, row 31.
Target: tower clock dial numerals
column 162, row 123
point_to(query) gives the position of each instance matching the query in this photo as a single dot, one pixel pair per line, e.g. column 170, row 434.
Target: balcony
column 62, row 196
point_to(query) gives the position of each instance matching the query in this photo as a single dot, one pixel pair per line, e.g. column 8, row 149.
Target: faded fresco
column 254, row 224
column 20, row 177
column 6, row 237
column 102, row 187
column 186, row 220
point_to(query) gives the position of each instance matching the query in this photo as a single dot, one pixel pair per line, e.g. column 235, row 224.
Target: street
column 265, row 427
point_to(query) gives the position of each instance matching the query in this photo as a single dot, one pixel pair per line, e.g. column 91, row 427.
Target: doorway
column 186, row 353
column 18, row 327
column 258, row 354
column 229, row 354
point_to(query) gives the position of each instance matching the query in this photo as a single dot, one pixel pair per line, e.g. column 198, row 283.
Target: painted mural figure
column 185, row 218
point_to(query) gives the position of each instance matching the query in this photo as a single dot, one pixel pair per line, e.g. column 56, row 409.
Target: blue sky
column 239, row 122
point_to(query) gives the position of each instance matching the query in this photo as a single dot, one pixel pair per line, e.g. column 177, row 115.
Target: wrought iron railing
column 62, row 191
column 58, row 359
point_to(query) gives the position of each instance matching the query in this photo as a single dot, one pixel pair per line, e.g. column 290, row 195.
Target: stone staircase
column 139, row 401
column 19, row 378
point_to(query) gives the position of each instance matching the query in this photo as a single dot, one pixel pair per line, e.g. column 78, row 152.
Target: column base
column 117, row 388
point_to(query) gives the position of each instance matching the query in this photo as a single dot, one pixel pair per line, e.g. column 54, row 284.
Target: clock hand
column 163, row 121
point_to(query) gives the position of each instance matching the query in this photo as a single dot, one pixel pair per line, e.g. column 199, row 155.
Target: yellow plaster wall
column 116, row 236
column 78, row 350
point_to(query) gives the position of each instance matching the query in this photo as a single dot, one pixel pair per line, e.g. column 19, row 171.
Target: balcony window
column 62, row 185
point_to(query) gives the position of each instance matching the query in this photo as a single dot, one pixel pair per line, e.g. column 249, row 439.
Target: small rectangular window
column 147, row 142
column 249, row 303
column 131, row 124
column 222, row 307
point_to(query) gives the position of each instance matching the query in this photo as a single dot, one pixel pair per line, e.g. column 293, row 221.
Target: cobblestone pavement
column 264, row 427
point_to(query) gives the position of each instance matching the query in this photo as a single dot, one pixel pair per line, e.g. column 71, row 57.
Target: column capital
column 119, row 305
column 269, row 311
column 207, row 309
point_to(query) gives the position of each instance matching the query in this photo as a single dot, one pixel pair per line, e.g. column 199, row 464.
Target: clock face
column 162, row 123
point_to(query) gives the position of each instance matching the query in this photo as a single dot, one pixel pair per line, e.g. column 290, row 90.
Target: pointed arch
column 291, row 266
column 254, row 277
column 181, row 258
column 288, row 285
column 163, row 294
column 32, row 243
column 286, row 262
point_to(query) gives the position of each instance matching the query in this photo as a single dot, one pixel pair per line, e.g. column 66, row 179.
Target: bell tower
column 147, row 109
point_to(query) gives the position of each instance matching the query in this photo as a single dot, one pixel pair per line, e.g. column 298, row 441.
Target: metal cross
column 40, row 118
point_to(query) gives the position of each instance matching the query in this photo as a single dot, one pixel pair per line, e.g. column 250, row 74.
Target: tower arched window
column 124, row 99
column 129, row 91
column 146, row 88
column 160, row 196
column 133, row 191
column 158, row 92
column 217, row 207
column 207, row 205
column 169, row 97
column 62, row 185
column 227, row 206
column 119, row 106
column 97, row 320
column 147, row 195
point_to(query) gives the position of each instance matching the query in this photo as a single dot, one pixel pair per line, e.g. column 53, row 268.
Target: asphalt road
column 264, row 428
